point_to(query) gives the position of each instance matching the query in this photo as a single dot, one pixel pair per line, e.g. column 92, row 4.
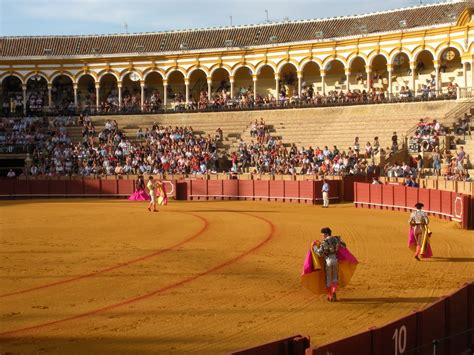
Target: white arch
column 85, row 73
column 174, row 70
column 371, row 58
column 242, row 66
column 349, row 62
column 99, row 79
column 16, row 75
column 307, row 61
column 442, row 49
column 260, row 66
column 124, row 74
column 329, row 60
column 217, row 68
column 418, row 51
column 281, row 65
column 39, row 74
column 394, row 55
column 62, row 74
column 206, row 72
column 153, row 71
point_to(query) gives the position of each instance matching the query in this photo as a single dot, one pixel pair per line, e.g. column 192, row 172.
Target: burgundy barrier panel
column 231, row 189
column 431, row 325
column 22, row 187
column 7, row 187
column 395, row 338
column 307, row 191
column 435, row 200
column 457, row 321
column 108, row 187
column 334, row 188
column 57, row 187
column 471, row 310
column 182, row 190
column 295, row 345
column 442, row 204
column 214, row 189
column 125, row 187
column 74, row 187
column 424, row 198
column 471, row 222
column 277, row 191
column 198, row 189
column 388, row 195
column 349, row 190
column 262, row 190
column 399, row 196
column 412, row 197
column 292, row 191
column 91, row 187
column 39, row 187
column 359, row 344
column 376, row 194
column 446, row 202
column 246, row 189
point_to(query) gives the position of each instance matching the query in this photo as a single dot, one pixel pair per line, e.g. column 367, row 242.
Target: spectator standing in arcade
column 325, row 191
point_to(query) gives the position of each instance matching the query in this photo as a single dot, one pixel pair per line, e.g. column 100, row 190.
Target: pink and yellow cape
column 425, row 250
column 313, row 277
column 162, row 196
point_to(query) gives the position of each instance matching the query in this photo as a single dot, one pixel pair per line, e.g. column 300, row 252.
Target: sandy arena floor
column 108, row 277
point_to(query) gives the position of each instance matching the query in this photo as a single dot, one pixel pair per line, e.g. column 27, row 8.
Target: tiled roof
column 241, row 36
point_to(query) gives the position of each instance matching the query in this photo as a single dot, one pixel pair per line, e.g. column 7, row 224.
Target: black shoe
column 417, row 258
column 334, row 298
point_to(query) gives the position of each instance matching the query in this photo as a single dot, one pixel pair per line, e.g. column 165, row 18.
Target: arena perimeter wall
column 448, row 205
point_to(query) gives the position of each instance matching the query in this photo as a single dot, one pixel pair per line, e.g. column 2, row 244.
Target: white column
column 254, row 78
column 50, row 95
column 209, row 88
column 119, row 88
column 348, row 78
column 231, row 80
column 368, row 70
column 24, row 98
column 300, row 79
column 186, row 83
column 390, row 89
column 413, row 78
column 75, row 87
column 165, row 94
column 323, row 81
column 142, row 95
column 437, row 74
column 277, row 86
column 97, row 93
column 464, row 70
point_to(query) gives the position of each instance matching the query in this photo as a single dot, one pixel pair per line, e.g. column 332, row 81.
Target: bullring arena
column 244, row 126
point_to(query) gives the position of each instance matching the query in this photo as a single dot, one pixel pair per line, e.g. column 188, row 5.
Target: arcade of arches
column 267, row 80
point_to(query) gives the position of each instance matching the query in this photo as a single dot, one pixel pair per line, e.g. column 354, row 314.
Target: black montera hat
column 326, row 230
column 419, row 205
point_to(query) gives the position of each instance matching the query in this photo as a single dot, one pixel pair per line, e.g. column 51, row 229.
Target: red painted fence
column 73, row 188
column 449, row 321
column 443, row 204
column 261, row 190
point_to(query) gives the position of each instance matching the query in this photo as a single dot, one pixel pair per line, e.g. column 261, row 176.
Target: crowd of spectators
column 427, row 136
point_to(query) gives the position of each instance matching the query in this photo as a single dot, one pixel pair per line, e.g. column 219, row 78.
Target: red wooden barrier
column 22, row 187
column 109, row 187
column 376, row 196
column 400, row 196
column 431, row 325
column 91, row 187
column 362, row 194
column 435, row 200
column 57, row 187
column 395, row 338
column 295, row 345
column 424, row 198
column 262, row 190
column 231, row 189
column 198, row 189
column 246, row 189
column 74, row 187
column 307, row 191
column 359, row 344
column 292, row 191
column 446, row 203
column 39, row 187
column 215, row 189
column 457, row 321
column 125, row 187
column 7, row 187
column 470, row 312
column 412, row 197
column 388, row 196
column 277, row 191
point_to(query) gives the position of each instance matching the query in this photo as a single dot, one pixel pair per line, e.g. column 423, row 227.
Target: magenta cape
column 139, row 195
column 313, row 276
column 426, row 251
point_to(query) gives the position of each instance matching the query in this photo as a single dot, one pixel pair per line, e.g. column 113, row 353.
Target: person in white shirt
column 11, row 174
column 325, row 191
